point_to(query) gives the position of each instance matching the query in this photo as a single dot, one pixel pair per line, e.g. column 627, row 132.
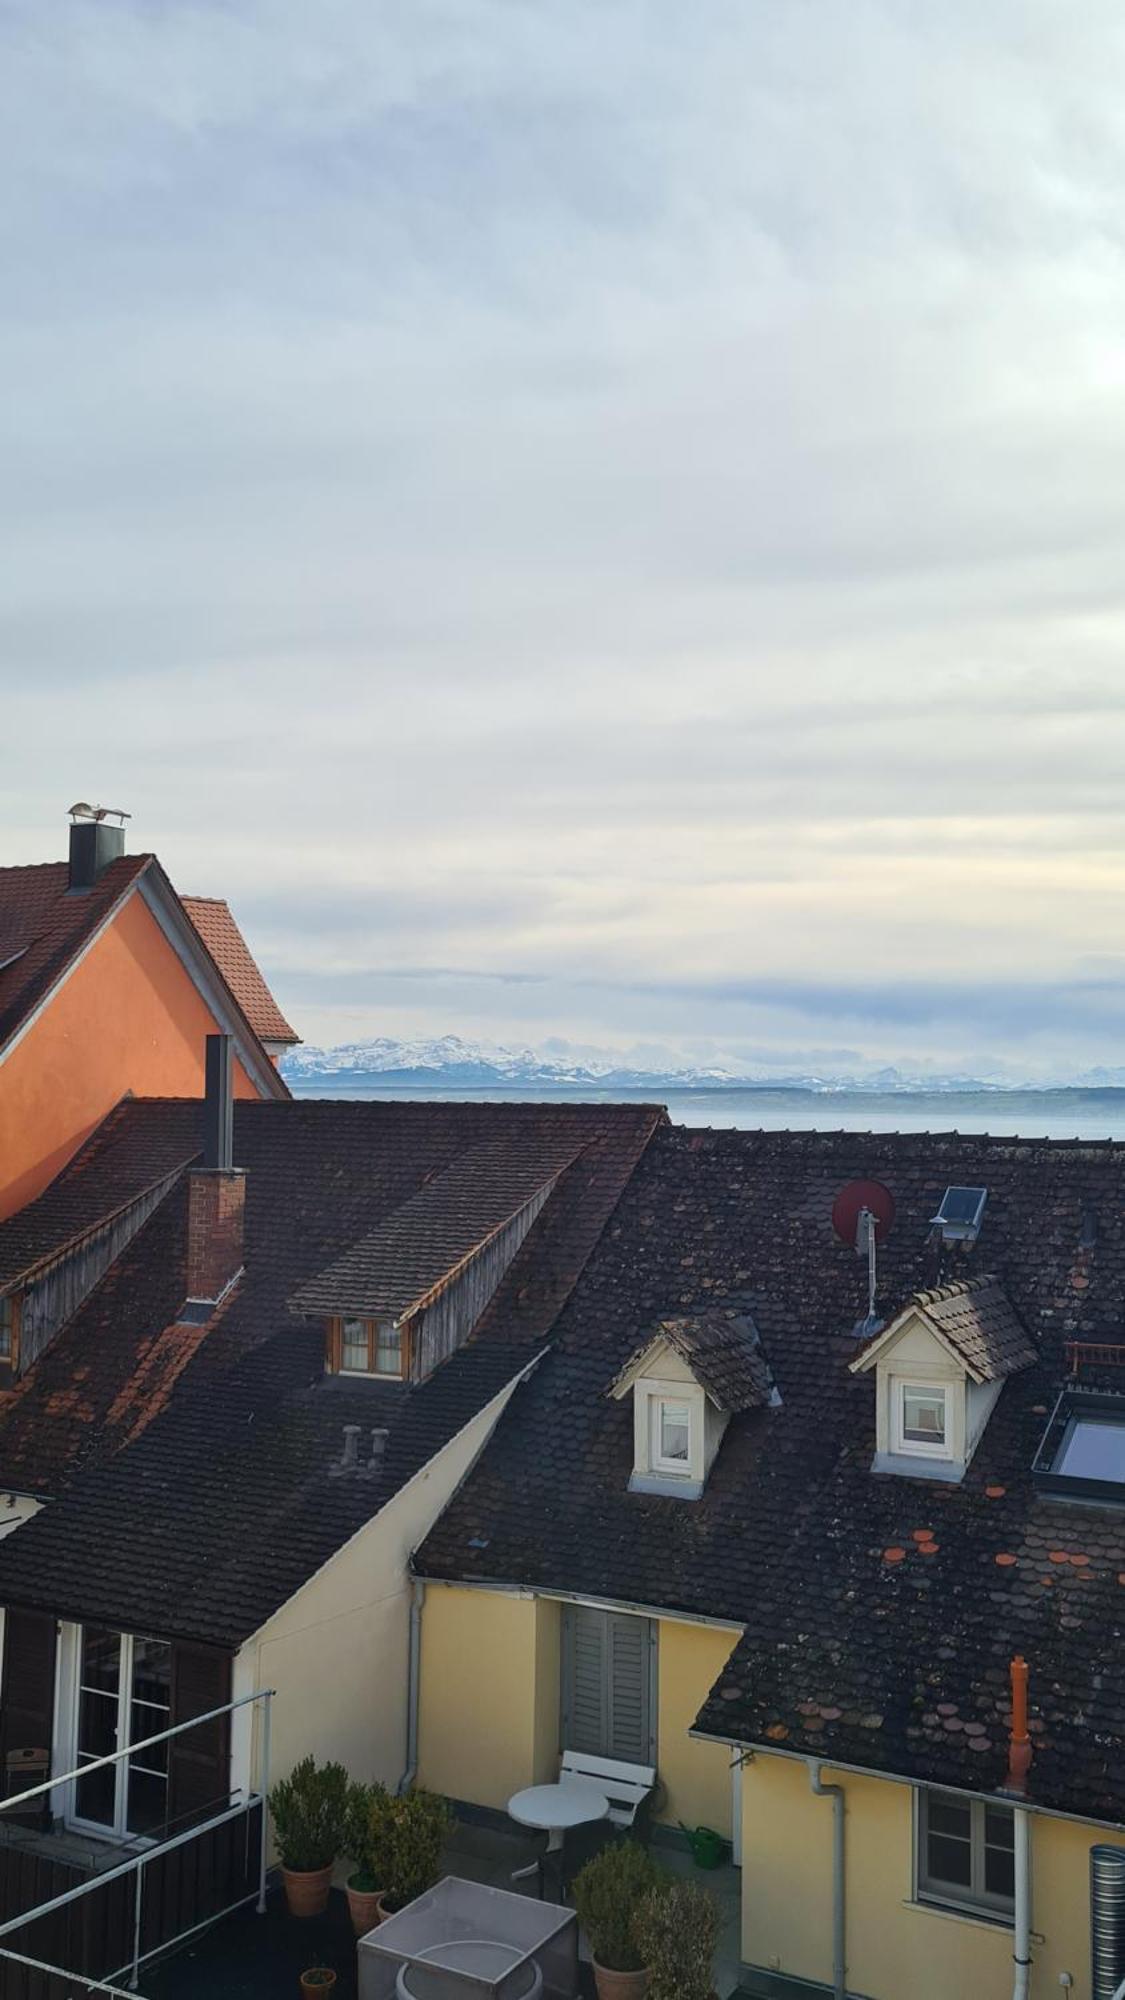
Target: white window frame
column 911, row 1447
column 675, row 1468
column 975, row 1901
column 119, row 1831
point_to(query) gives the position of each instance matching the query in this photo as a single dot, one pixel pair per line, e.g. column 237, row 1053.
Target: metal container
column 461, row 1914
column 1107, row 1920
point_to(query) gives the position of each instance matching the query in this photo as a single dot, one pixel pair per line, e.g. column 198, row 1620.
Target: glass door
column 124, row 1695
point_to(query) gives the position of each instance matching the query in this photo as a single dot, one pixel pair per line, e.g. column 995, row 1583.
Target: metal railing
column 137, row 1863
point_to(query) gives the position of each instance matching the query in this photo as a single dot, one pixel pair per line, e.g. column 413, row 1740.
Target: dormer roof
column 723, row 1351
column 973, row 1319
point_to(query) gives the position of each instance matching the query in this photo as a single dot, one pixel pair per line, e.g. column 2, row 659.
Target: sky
column 600, row 521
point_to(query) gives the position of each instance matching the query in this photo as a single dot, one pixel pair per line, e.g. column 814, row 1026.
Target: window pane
column 999, row 1827
column 923, row 1416
column 99, row 1670
column 1094, row 1450
column 675, row 1431
column 6, row 1313
column 1000, row 1872
column 388, row 1351
column 945, row 1815
column 93, row 1796
column 101, row 1659
column 355, row 1344
column 949, row 1860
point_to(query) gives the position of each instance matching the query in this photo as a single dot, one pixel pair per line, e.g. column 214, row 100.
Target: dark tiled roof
column 400, row 1264
column 139, row 1145
column 44, row 925
column 880, row 1613
column 212, row 918
column 724, row 1353
column 977, row 1319
column 196, row 1491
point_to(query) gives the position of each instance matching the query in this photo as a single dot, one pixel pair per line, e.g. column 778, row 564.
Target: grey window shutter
column 607, row 1684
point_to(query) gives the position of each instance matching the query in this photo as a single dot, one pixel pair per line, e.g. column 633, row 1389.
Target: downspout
column 1019, row 1763
column 414, row 1681
column 839, row 1901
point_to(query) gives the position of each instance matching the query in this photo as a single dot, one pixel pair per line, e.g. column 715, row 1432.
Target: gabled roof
column 974, row 1320
column 45, row 926
column 215, row 923
column 192, row 1466
column 879, row 1614
column 398, row 1267
column 723, row 1351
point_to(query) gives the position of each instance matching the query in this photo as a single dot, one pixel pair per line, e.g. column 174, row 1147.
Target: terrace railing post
column 263, row 1793
column 137, row 1899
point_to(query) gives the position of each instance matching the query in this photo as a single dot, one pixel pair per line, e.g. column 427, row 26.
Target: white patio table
column 554, row 1809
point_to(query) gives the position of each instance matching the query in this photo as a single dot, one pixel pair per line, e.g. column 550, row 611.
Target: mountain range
column 450, row 1061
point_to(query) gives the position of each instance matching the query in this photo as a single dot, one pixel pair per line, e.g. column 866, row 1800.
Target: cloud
column 626, row 500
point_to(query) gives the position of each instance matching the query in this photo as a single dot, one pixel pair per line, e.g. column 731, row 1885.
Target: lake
column 1051, row 1114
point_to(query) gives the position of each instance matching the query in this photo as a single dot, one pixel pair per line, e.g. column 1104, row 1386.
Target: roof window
column 959, row 1216
column 1083, row 1447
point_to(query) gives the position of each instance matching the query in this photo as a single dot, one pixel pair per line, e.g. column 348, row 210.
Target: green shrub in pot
column 362, row 1819
column 676, row 1930
column 308, row 1809
column 607, row 1894
column 408, row 1834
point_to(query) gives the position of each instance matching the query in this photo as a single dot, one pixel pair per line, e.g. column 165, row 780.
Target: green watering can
column 708, row 1848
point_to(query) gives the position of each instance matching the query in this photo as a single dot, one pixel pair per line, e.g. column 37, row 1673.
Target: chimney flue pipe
column 218, row 1106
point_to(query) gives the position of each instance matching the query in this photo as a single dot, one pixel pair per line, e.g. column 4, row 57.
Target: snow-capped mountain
column 450, row 1060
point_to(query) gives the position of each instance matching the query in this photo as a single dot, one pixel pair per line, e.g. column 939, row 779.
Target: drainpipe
column 411, row 1771
column 1019, row 1763
column 839, row 1904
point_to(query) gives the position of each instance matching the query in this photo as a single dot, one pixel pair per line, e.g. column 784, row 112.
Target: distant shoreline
column 419, row 1083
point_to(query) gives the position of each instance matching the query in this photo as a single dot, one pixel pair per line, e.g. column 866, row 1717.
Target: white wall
column 338, row 1651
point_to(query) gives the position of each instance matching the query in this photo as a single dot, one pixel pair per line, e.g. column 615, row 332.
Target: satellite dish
column 850, row 1205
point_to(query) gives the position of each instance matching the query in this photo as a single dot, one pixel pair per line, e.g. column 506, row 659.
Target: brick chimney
column 217, row 1189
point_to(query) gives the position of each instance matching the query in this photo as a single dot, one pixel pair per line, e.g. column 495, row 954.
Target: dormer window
column 687, row 1381
column 9, row 1330
column 939, row 1368
column 366, row 1347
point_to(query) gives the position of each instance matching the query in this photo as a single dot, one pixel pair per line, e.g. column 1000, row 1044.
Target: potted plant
column 407, row 1837
column 317, row 1982
column 607, row 1894
column 676, row 1928
column 363, row 1816
column 308, row 1824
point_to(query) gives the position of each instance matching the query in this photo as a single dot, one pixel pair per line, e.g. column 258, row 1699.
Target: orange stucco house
column 109, row 984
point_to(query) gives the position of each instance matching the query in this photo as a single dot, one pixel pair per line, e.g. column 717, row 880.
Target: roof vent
column 959, row 1217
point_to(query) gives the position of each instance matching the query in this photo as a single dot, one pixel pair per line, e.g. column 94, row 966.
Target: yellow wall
column 696, row 1776
column 490, row 1702
column 489, row 1720
column 338, row 1652
column 895, row 1950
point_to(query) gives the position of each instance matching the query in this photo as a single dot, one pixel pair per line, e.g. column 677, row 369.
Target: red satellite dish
column 856, row 1196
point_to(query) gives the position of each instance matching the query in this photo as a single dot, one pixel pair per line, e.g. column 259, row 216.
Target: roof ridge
column 957, row 1288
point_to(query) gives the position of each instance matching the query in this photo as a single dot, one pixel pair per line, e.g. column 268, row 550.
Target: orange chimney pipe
column 1019, row 1747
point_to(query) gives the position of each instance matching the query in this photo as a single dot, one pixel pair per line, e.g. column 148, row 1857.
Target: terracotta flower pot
column 366, row 1906
column 306, row 1891
column 383, row 1906
column 317, row 1983
column 620, row 1985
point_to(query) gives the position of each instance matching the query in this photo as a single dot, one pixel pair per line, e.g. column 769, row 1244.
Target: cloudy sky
column 585, row 518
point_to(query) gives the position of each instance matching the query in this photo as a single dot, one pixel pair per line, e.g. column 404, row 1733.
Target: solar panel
column 960, row 1212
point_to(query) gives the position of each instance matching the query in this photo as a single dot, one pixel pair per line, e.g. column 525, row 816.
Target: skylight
column 960, row 1213
column 1083, row 1447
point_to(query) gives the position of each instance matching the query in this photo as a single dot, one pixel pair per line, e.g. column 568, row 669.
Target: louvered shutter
column 28, row 1705
column 607, row 1684
column 199, row 1760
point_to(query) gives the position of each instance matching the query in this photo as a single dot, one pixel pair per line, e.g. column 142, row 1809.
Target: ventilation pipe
column 839, row 1904
column 1019, row 1763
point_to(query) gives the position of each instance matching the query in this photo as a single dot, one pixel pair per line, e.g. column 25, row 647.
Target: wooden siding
column 59, row 1288
column 442, row 1327
column 94, row 1935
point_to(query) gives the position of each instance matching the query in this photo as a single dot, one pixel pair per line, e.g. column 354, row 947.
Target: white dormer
column 686, row 1382
column 939, row 1368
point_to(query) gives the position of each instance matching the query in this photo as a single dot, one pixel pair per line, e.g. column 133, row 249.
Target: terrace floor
column 248, row 1957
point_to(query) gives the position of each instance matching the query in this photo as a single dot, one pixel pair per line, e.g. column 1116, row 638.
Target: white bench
column 626, row 1786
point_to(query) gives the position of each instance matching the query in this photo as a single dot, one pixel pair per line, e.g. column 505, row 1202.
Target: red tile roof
column 212, row 918
column 44, row 925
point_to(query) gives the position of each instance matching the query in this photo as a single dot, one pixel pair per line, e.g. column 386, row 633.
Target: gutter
column 839, row 1885
column 501, row 1588
column 414, row 1683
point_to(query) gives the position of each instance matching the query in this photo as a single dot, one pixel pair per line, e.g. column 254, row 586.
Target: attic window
column 671, row 1441
column 959, row 1216
column 366, row 1347
column 9, row 1329
column 923, row 1419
